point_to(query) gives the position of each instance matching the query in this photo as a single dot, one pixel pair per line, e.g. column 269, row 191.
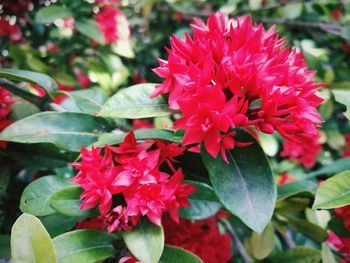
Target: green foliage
column 145, row 241
column 236, row 184
column 172, row 254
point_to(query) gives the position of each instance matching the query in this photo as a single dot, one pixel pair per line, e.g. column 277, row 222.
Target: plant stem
column 240, row 248
column 15, row 89
column 287, row 238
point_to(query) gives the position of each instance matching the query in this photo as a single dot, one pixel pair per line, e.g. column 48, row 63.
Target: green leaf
column 88, row 246
column 67, row 130
column 135, row 103
column 335, row 167
column 35, row 197
column 87, row 100
column 89, row 28
column 67, row 202
column 343, row 97
column 172, row 254
column 204, row 202
column 56, row 224
column 262, row 244
column 290, row 11
column 36, row 78
column 5, row 251
column 295, row 188
column 337, row 226
column 30, row 242
column 51, row 13
column 327, row 255
column 334, row 192
column 313, row 231
column 22, row 109
column 245, row 186
column 145, row 241
column 141, row 134
column 297, row 255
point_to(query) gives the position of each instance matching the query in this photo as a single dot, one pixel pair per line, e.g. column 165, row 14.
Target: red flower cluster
column 131, row 173
column 346, row 152
column 201, row 237
column 10, row 30
column 5, row 102
column 113, row 24
column 233, row 73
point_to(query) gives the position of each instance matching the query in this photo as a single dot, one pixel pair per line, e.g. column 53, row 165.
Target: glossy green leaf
column 337, row 226
column 141, row 134
column 204, row 202
column 333, row 168
column 35, row 197
column 22, row 109
column 67, row 130
column 313, row 231
column 90, row 29
column 145, row 241
column 30, row 243
column 172, row 254
column 88, row 246
column 67, row 202
column 50, row 14
column 343, row 96
column 57, row 224
column 245, row 186
column 295, row 188
column 36, row 78
column 135, row 103
column 334, row 192
column 262, row 244
column 297, row 255
column 87, row 100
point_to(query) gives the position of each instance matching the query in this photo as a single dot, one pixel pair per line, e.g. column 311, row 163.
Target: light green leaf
column 327, row 255
column 297, row 255
column 334, row 192
column 67, row 202
column 30, row 243
column 172, row 254
column 135, row 103
column 89, row 28
column 343, row 96
column 67, row 130
column 36, row 78
column 262, row 244
column 204, row 202
column 51, row 13
column 145, row 241
column 35, row 197
column 87, row 246
column 245, row 186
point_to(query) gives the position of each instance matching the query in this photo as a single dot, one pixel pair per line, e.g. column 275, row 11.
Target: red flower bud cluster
column 233, row 73
column 201, row 237
column 129, row 178
column 5, row 102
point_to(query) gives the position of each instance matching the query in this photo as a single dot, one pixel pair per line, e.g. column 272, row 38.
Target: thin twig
column 240, row 248
column 288, row 240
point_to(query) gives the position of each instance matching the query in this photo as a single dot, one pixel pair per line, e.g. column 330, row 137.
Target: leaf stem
column 239, row 246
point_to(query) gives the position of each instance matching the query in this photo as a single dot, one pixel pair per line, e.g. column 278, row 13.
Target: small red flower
column 5, row 102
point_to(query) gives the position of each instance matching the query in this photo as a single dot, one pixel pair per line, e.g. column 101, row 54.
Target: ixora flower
column 5, row 102
column 202, row 237
column 233, row 73
column 113, row 24
column 128, row 177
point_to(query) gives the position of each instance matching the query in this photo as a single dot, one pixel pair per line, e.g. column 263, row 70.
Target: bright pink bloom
column 142, row 124
column 69, row 22
column 113, row 24
column 344, row 213
column 128, row 259
column 62, row 87
column 117, row 220
column 203, row 238
column 168, row 151
column 336, row 14
column 233, row 73
column 12, row 31
column 96, row 223
column 346, row 152
column 83, row 79
column 285, row 178
column 5, row 102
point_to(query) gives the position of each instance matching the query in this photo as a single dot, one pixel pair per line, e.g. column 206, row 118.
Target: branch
column 17, row 90
column 288, row 240
column 240, row 248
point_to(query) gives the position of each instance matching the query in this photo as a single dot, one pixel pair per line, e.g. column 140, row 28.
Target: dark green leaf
column 51, row 13
column 172, row 254
column 67, row 130
column 204, row 202
column 337, row 226
column 22, row 109
column 334, row 192
column 5, row 251
column 335, row 167
column 66, row 201
column 297, row 255
column 57, row 224
column 30, row 242
column 88, row 246
column 35, row 197
column 313, row 231
column 90, row 29
column 36, row 78
column 135, row 103
column 246, row 185
column 145, row 241
column 295, row 188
